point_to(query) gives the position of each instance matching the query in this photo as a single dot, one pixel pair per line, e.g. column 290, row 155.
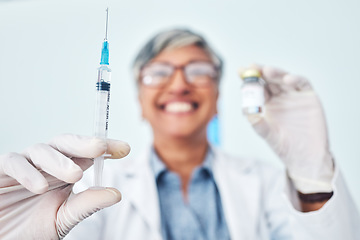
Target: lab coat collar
column 142, row 193
column 239, row 191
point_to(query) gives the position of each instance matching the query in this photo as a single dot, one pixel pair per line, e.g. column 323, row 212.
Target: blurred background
column 50, row 51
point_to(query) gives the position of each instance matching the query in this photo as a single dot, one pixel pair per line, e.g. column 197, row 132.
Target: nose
column 178, row 83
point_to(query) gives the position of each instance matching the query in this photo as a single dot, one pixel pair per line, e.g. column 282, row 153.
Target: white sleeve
column 337, row 219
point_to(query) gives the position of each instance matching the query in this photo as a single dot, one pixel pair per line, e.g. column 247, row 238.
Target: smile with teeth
column 179, row 107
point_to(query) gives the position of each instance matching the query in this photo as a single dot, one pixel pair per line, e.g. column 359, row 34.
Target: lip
column 179, row 106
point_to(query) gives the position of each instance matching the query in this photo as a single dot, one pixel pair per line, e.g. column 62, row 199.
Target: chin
column 184, row 133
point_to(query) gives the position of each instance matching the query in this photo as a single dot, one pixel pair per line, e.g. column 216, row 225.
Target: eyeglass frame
column 182, row 68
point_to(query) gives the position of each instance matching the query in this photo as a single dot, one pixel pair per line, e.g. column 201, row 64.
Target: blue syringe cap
column 105, row 53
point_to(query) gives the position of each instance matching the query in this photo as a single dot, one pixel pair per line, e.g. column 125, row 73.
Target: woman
column 182, row 187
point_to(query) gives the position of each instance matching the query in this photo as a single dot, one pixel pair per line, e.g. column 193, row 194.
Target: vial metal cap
column 251, row 72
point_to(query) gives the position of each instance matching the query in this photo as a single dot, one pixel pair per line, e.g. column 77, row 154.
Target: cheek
column 142, row 100
column 212, row 100
column 146, row 99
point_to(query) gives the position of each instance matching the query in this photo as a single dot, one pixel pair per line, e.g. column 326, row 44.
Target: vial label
column 252, row 96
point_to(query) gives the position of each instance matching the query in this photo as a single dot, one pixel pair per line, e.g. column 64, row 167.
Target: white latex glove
column 294, row 126
column 36, row 199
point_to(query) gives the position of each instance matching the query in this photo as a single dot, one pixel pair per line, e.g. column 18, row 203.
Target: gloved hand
column 295, row 128
column 36, row 199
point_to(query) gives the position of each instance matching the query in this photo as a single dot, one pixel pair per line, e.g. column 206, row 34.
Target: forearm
column 314, row 201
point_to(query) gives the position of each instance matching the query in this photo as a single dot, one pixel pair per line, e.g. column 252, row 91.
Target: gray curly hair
column 170, row 39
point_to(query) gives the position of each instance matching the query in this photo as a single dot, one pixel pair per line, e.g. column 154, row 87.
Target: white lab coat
column 258, row 203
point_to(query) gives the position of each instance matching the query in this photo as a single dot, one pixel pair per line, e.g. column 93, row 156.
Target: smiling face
column 179, row 109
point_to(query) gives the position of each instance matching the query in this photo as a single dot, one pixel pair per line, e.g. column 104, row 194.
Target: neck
column 181, row 155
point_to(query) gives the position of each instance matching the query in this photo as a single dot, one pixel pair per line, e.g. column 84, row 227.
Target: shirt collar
column 158, row 167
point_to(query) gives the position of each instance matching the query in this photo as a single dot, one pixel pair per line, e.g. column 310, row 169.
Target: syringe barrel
column 102, row 102
column 101, row 117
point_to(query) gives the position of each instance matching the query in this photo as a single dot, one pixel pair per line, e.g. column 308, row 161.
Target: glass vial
column 252, row 92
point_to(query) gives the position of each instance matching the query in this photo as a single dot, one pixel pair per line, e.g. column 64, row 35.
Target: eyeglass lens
column 197, row 73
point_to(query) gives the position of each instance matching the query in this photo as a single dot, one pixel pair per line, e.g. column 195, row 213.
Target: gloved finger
column 83, row 163
column 263, row 127
column 53, row 162
column 260, row 125
column 273, row 75
column 297, row 83
column 274, row 89
column 279, row 81
column 274, row 80
column 89, row 147
column 117, row 148
column 82, row 205
column 18, row 167
column 79, row 146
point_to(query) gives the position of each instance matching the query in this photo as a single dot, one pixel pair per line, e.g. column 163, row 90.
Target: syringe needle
column 107, row 19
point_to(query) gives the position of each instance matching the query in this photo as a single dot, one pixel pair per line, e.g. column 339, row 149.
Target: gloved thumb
column 82, row 205
column 259, row 124
column 262, row 127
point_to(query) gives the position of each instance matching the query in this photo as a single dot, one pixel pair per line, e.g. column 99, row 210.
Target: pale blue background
column 49, row 52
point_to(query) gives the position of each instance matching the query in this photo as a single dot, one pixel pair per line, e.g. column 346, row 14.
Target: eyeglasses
column 158, row 74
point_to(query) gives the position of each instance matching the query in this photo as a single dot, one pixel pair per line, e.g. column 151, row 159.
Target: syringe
column 102, row 105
